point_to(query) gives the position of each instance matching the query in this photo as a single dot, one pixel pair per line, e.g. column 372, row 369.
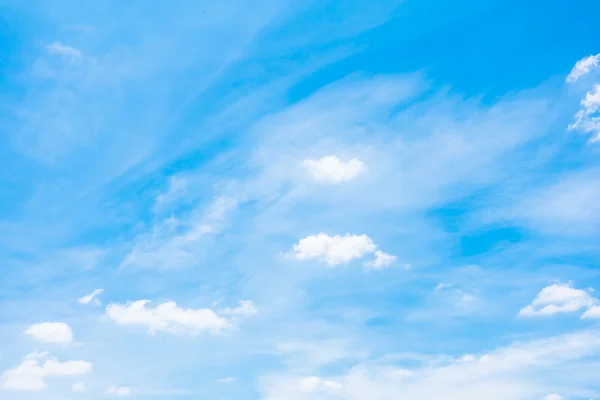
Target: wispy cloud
column 520, row 371
column 90, row 298
column 62, row 50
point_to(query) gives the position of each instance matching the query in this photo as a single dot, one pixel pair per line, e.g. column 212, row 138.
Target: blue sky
column 277, row 200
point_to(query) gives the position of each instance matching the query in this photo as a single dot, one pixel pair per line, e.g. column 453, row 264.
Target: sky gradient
column 294, row 200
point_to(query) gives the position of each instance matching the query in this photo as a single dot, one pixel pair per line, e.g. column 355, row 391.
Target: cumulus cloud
column 119, row 391
column 333, row 250
column 583, row 67
column 79, row 387
column 330, row 169
column 90, row 298
column 245, row 308
column 558, row 298
column 51, row 332
column 31, row 375
column 167, row 317
column 337, row 249
column 382, row 260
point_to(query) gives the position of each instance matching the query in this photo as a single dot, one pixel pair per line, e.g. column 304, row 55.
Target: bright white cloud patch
column 51, row 332
column 382, row 260
column 333, row 250
column 30, row 375
column 558, row 298
column 167, row 317
column 90, row 298
column 330, row 169
column 583, row 67
column 79, row 387
column 246, row 308
column 119, row 391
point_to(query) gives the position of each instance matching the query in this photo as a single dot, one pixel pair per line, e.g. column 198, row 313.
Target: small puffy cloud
column 337, row 249
column 227, row 380
column 167, row 317
column 245, row 308
column 330, row 169
column 119, row 391
column 30, row 375
column 62, row 50
column 333, row 250
column 79, row 387
column 90, row 298
column 583, row 67
column 558, row 298
column 51, row 332
column 382, row 260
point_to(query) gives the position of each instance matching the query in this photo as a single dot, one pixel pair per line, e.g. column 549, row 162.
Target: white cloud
column 51, row 332
column 330, row 169
column 60, row 49
column 176, row 188
column 246, row 308
column 79, row 387
column 568, row 207
column 30, row 375
column 87, row 299
column 587, row 120
column 318, row 353
column 37, row 355
column 558, row 298
column 382, row 260
column 467, row 358
column 333, row 250
column 553, row 396
column 119, row 391
column 442, row 285
column 167, row 317
column 227, row 380
column 522, row 371
column 583, row 67
column 177, row 243
column 592, row 312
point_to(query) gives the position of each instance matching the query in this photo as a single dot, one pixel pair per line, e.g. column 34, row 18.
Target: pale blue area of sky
column 161, row 151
